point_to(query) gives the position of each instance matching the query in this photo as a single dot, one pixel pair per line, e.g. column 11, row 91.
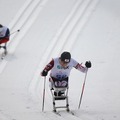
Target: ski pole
column 82, row 90
column 43, row 94
column 15, row 31
column 9, row 35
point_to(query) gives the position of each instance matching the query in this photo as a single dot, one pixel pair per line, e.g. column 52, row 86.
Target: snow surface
column 89, row 29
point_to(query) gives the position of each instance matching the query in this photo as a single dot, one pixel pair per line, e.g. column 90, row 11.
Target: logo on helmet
column 67, row 60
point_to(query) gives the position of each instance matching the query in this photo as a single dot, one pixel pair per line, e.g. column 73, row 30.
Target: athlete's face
column 63, row 64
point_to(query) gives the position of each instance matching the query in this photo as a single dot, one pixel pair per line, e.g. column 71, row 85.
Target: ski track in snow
column 73, row 21
column 23, row 20
column 65, row 36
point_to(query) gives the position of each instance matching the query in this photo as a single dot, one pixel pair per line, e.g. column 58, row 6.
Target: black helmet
column 65, row 57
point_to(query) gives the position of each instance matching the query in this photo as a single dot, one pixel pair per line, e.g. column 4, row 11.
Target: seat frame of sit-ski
column 4, row 47
column 64, row 96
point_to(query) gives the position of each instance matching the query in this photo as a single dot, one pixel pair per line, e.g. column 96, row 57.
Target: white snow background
column 89, row 29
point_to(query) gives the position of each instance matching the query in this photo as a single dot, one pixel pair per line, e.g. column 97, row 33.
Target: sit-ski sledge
column 5, row 50
column 60, row 92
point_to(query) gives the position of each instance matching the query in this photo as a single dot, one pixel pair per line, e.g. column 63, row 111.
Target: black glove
column 44, row 73
column 88, row 64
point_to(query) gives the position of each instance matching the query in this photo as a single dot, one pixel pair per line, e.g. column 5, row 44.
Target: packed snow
column 89, row 29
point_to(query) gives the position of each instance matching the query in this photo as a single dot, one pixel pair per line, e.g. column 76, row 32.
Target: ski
column 59, row 112
column 72, row 113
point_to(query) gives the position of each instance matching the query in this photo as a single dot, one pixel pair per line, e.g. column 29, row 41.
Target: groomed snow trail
column 48, row 27
column 64, row 39
column 23, row 20
column 24, row 54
